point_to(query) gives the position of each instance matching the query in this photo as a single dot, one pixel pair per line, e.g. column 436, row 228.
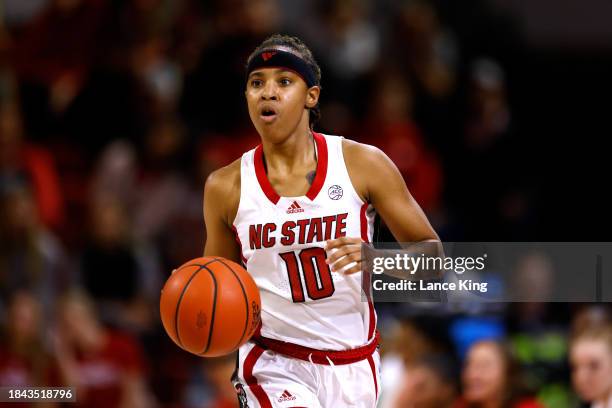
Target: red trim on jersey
column 372, row 325
column 364, row 223
column 373, row 367
column 250, row 379
column 319, row 179
column 237, row 237
column 318, row 356
column 365, row 238
column 317, row 183
column 260, row 172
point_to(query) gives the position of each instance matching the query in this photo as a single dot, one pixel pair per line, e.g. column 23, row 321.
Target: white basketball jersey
column 282, row 240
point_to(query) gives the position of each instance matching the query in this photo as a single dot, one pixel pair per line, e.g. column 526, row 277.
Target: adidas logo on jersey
column 294, row 208
column 286, row 396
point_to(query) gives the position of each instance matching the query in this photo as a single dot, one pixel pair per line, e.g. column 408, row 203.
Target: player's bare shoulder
column 222, row 190
column 363, row 163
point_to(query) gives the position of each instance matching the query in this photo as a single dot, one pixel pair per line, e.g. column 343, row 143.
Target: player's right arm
column 221, row 198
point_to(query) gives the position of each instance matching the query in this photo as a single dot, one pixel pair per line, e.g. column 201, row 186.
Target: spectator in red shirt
column 24, row 359
column 106, row 367
column 491, row 379
column 390, row 127
column 19, row 158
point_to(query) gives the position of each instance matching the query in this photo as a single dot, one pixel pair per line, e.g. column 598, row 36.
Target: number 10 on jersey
column 310, row 263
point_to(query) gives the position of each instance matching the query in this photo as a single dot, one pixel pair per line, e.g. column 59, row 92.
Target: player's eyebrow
column 287, row 71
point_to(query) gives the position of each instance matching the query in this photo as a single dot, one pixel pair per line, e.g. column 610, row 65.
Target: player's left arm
column 379, row 182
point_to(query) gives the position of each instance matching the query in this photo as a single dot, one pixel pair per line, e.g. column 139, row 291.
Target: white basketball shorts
column 266, row 379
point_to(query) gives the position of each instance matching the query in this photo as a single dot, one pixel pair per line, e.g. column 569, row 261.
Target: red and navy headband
column 278, row 58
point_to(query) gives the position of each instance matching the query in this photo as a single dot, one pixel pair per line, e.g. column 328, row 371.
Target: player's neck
column 296, row 151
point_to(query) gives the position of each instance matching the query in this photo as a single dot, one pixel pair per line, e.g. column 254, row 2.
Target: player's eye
column 285, row 81
column 256, row 83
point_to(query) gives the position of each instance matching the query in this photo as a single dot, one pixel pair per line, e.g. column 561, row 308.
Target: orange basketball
column 210, row 306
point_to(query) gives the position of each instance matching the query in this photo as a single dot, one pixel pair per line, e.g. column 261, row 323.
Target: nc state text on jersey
column 304, row 231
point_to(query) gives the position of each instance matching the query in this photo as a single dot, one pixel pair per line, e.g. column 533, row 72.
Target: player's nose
column 269, row 91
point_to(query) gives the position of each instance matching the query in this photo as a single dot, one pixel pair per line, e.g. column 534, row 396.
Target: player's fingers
column 353, row 269
column 343, row 251
column 338, row 242
column 345, row 260
column 337, row 254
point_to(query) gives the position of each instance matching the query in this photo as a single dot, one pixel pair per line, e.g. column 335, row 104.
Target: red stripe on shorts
column 250, row 379
column 318, row 356
column 373, row 367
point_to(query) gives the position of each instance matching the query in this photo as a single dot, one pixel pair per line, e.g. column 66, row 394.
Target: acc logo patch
column 335, row 192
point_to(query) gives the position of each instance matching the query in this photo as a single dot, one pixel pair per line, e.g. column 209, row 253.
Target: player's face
column 277, row 99
column 591, row 362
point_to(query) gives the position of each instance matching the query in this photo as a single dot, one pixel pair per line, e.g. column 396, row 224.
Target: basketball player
column 295, row 211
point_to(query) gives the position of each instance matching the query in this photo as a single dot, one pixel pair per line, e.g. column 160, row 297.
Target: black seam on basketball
column 214, row 307
column 178, row 303
column 195, row 264
column 246, row 302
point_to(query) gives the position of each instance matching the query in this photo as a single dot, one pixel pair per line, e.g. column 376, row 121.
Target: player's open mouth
column 268, row 115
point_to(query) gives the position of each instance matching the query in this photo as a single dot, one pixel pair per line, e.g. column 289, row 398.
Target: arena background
column 114, row 112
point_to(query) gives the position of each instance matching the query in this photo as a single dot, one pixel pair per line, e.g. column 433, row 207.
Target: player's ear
column 312, row 96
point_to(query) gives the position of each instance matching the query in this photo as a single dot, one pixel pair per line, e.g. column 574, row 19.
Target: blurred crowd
column 112, row 114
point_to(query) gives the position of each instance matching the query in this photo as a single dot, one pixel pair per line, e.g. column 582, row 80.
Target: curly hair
column 302, row 50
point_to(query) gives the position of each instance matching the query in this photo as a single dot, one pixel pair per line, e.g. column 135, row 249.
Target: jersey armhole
column 240, row 193
column 354, row 192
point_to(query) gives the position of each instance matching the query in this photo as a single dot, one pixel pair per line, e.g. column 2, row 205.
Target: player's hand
column 342, row 252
